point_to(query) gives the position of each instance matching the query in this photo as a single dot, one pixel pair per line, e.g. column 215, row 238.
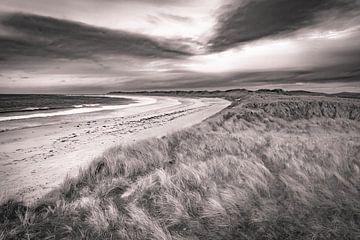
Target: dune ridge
column 259, row 169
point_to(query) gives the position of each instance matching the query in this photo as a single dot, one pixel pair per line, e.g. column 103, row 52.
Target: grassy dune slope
column 268, row 167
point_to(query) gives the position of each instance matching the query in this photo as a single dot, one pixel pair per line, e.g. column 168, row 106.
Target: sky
column 93, row 46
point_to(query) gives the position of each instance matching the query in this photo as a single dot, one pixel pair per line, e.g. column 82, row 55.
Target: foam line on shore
column 140, row 101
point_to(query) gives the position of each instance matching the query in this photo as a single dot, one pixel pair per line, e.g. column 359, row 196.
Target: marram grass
column 265, row 168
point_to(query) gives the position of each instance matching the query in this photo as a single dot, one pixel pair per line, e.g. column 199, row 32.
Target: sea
column 23, row 106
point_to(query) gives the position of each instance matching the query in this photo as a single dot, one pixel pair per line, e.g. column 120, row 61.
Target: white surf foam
column 140, row 101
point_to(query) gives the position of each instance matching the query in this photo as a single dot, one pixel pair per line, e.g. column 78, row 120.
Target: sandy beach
column 38, row 153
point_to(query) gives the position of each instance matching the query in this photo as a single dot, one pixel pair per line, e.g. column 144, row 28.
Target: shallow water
column 24, row 106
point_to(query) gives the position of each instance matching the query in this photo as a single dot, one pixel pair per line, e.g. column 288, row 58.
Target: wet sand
column 37, row 154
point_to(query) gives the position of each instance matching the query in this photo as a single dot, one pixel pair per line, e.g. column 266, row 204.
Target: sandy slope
column 37, row 154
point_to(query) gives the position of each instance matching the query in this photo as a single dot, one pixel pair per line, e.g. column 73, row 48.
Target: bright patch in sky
column 256, row 56
column 297, row 52
column 331, row 34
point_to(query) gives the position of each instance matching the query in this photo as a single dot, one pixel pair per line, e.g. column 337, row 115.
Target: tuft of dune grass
column 265, row 168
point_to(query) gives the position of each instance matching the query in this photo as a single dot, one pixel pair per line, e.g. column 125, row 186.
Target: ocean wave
column 140, row 101
column 28, row 109
column 86, row 105
column 34, row 109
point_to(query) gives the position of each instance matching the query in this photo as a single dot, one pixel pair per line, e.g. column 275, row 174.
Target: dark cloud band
column 46, row 37
column 264, row 18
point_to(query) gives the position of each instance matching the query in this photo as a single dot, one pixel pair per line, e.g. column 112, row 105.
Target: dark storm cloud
column 45, row 37
column 301, row 42
column 257, row 19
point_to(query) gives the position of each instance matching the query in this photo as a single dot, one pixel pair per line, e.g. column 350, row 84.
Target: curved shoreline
column 34, row 160
column 141, row 101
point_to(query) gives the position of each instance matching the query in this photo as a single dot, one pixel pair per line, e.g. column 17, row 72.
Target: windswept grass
column 268, row 167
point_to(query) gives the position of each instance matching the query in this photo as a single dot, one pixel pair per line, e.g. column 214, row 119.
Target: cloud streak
column 88, row 46
column 45, row 37
column 256, row 19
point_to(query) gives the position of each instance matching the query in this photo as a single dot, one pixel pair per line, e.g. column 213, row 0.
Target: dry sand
column 37, row 154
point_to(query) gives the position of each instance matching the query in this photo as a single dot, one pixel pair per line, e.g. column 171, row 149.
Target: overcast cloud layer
column 99, row 46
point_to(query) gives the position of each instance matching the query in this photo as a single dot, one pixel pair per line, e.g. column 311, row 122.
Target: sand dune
column 269, row 166
column 37, row 154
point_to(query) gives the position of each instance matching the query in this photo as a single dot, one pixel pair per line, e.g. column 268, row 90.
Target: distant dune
column 233, row 93
column 273, row 165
